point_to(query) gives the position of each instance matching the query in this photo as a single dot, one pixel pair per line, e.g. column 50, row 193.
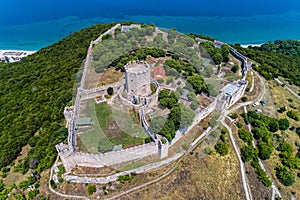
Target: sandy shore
column 14, row 55
column 253, row 45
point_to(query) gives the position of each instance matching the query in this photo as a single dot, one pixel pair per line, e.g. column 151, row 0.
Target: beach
column 13, row 55
column 252, row 45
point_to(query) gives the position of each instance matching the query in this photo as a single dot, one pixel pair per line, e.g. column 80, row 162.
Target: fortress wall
column 112, row 157
column 199, row 116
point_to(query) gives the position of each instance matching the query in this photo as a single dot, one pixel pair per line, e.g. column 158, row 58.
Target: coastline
column 253, row 45
column 7, row 55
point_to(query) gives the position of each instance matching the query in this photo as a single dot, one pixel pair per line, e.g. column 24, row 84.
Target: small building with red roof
column 159, row 73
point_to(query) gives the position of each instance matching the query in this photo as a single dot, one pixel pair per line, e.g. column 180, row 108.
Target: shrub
column 110, row 91
column 239, row 125
column 285, row 148
column 147, row 140
column 284, row 124
column 234, row 115
column 284, row 176
column 264, row 149
column 273, row 125
column 245, row 135
column 263, row 177
column 123, row 179
column 248, row 153
column 223, row 131
column 235, row 68
column 244, row 99
column 293, row 115
column 52, row 183
column 194, row 105
column 91, row 189
column 221, row 148
column 282, row 109
column 291, row 162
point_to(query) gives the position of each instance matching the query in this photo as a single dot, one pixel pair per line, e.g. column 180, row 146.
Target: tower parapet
column 137, row 77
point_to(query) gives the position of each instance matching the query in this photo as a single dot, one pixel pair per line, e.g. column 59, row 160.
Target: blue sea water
column 31, row 24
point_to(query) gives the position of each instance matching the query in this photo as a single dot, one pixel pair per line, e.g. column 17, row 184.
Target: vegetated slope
column 285, row 47
column 282, row 60
column 33, row 95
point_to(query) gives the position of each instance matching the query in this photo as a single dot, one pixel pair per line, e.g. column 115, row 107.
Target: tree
column 174, row 95
column 194, row 105
column 175, row 56
column 197, row 83
column 284, row 176
column 261, row 133
column 284, row 124
column 1, row 185
column 264, row 149
column 291, row 162
column 245, row 135
column 182, row 116
column 157, row 124
column 285, row 148
column 273, row 125
column 234, row 68
column 171, row 102
column 163, row 94
column 217, row 58
column 180, row 90
column 168, row 130
column 248, row 153
column 164, row 102
column 221, row 148
column 191, row 96
column 110, row 91
column 225, row 52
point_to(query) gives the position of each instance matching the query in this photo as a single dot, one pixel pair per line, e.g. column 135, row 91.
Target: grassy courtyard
column 110, row 127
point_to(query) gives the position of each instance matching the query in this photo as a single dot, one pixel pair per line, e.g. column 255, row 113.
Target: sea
column 32, row 25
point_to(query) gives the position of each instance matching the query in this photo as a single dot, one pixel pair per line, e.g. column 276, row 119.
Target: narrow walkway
column 289, row 89
column 245, row 184
column 275, row 190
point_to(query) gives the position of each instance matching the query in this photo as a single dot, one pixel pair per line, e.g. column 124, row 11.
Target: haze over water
column 31, row 24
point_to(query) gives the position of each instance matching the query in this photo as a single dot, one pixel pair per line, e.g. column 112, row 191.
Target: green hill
column 281, row 58
column 34, row 93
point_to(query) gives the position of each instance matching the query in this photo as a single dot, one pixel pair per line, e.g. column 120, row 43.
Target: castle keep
column 137, row 78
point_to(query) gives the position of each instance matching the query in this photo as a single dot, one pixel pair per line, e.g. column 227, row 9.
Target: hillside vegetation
column 281, row 58
column 33, row 95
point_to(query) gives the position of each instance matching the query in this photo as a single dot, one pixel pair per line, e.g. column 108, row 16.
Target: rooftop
column 83, row 121
column 230, row 89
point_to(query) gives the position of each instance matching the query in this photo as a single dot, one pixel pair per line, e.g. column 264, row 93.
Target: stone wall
column 71, row 159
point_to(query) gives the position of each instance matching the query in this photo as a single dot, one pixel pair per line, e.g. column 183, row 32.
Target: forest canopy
column 34, row 93
column 281, row 58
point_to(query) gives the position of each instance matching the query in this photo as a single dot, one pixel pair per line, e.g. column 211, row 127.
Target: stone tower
column 137, row 77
